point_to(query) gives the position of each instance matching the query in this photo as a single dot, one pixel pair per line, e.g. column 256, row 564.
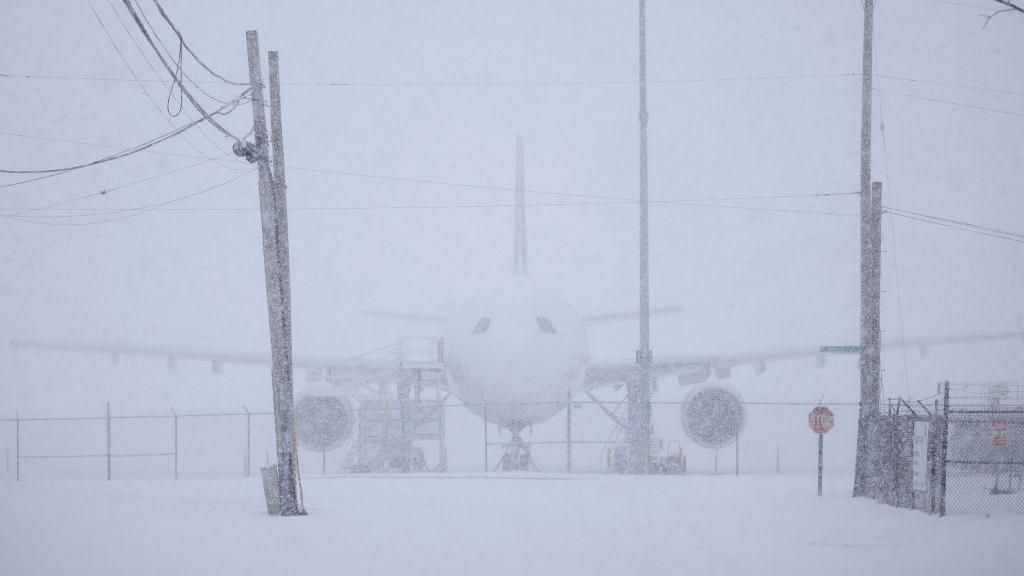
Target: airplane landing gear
column 517, row 453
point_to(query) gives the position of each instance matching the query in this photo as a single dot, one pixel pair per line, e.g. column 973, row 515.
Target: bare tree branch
column 1009, row 7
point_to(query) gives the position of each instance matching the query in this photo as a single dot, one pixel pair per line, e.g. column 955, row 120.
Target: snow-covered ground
column 493, row 524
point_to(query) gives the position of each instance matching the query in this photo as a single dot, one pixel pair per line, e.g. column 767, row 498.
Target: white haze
column 749, row 279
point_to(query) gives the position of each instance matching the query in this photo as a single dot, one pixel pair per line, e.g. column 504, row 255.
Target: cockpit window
column 482, row 325
column 545, row 325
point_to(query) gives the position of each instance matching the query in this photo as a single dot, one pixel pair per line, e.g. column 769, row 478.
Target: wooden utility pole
column 638, row 388
column 273, row 213
column 869, row 307
column 870, row 341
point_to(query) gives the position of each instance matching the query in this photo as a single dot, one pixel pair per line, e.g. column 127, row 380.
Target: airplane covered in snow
column 514, row 357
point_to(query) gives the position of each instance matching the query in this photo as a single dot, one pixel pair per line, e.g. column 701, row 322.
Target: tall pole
column 486, row 461
column 108, row 441
column 821, row 467
column 175, row 443
column 568, row 431
column 519, row 257
column 275, row 258
column 17, row 447
column 869, row 312
column 248, row 441
column 638, row 389
column 737, row 454
column 870, row 340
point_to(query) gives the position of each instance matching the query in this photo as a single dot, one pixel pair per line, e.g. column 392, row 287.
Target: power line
column 957, row 225
column 138, row 81
column 50, row 172
column 503, row 205
column 583, row 82
column 96, row 144
column 956, row 222
column 501, row 188
column 105, row 191
column 181, row 73
column 526, row 83
column 892, row 241
column 950, row 84
column 474, row 83
column 466, row 185
column 181, row 86
column 189, row 48
column 136, row 210
column 951, row 102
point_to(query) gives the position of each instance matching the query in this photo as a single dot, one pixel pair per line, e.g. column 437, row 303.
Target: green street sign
column 839, row 349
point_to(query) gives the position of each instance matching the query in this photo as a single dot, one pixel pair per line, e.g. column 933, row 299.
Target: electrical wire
column 595, row 82
column 105, row 191
column 138, row 81
column 50, row 172
column 189, row 48
column 956, row 222
column 393, row 207
column 957, row 225
column 181, row 73
column 892, row 241
column 501, row 188
column 146, row 59
column 191, row 99
column 136, row 210
column 528, row 83
column 950, row 84
column 953, row 103
column 96, row 144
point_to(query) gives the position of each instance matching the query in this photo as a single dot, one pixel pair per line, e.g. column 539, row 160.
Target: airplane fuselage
column 518, row 355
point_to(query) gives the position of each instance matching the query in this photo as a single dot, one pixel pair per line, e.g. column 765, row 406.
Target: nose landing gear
column 517, row 453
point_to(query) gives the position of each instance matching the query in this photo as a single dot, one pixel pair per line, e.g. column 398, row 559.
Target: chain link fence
column 963, row 456
column 445, row 436
column 115, row 445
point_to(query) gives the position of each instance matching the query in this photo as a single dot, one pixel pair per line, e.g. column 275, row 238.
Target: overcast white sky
column 749, row 279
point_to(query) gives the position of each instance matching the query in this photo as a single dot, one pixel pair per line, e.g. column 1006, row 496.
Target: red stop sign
column 820, row 419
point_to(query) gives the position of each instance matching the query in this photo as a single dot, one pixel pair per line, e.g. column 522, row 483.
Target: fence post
column 108, row 441
column 486, row 461
column 945, row 447
column 821, row 445
column 568, row 432
column 248, row 440
column 175, row 443
column 442, row 457
column 17, row 447
column 737, row 453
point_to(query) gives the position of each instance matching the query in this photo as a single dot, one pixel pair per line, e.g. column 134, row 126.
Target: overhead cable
column 189, row 48
column 191, row 99
column 138, row 81
column 956, row 224
column 109, row 189
column 133, row 211
column 50, row 172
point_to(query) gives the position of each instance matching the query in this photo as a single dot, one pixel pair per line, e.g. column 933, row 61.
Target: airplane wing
column 359, row 370
column 691, row 370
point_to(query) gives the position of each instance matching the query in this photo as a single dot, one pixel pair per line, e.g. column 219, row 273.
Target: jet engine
column 713, row 416
column 323, row 420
